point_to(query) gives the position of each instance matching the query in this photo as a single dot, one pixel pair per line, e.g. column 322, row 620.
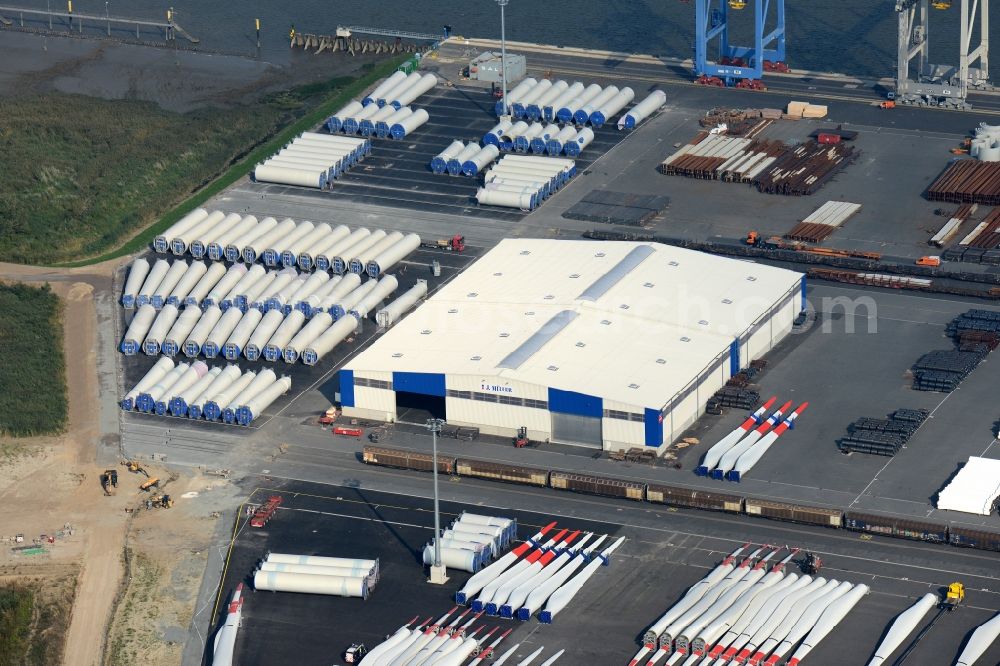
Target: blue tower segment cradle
column 712, row 21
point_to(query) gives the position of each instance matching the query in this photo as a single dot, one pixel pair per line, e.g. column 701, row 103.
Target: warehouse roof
column 974, row 488
column 631, row 322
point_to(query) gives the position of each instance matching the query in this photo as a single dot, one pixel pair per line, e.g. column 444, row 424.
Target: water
column 851, row 36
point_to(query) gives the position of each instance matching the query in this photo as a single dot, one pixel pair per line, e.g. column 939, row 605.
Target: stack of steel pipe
column 523, row 181
column 315, row 574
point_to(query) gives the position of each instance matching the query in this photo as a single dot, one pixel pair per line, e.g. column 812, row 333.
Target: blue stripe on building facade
column 802, row 287
column 654, row 427
column 571, row 402
column 734, row 357
column 424, row 383
column 347, row 388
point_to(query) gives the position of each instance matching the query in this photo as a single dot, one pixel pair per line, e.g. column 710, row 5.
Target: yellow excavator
column 134, row 467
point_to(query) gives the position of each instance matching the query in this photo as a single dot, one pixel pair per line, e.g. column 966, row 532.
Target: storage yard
column 579, row 444
column 623, row 301
column 605, row 622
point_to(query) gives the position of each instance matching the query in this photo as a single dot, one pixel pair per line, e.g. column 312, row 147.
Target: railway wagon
column 501, row 472
column 901, row 528
column 422, row 462
column 693, row 498
column 794, row 513
column 870, row 523
column 598, row 485
column 967, row 538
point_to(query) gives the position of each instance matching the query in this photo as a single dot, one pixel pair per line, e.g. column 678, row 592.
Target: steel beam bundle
column 804, row 169
column 968, row 181
column 823, row 221
column 883, row 437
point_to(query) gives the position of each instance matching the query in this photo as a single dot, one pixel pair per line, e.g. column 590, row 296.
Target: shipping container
column 963, row 536
column 794, row 513
column 695, row 499
column 376, row 455
column 597, row 485
column 917, row 530
column 348, row 430
column 500, row 472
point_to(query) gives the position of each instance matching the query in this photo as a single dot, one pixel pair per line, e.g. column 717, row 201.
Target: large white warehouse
column 603, row 344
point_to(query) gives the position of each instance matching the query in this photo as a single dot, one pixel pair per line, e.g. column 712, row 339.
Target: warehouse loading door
column 417, row 408
column 578, row 430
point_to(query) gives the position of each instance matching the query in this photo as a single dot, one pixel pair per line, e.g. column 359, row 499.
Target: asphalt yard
column 664, row 553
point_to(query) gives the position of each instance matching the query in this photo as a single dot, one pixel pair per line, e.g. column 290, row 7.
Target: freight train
column 677, row 496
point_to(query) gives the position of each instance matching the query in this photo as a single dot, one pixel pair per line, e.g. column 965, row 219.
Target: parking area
column 664, row 554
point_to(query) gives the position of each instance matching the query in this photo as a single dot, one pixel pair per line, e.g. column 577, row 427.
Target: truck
column 454, row 244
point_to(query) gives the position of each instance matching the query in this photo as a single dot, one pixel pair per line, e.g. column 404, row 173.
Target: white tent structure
column 974, row 489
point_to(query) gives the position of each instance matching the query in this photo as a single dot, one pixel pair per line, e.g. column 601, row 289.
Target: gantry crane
column 738, row 63
column 940, row 85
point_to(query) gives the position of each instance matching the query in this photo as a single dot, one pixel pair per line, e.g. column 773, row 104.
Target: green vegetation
column 34, row 619
column 81, row 175
column 32, row 367
column 15, row 624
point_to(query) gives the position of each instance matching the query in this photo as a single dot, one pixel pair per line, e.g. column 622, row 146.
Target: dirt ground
column 54, row 482
column 169, row 550
column 58, row 487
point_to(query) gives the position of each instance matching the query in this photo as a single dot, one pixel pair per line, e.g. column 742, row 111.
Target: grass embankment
column 32, row 368
column 34, row 618
column 83, row 174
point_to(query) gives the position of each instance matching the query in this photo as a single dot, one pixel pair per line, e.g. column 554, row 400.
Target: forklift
column 521, row 440
column 355, row 653
column 812, row 564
